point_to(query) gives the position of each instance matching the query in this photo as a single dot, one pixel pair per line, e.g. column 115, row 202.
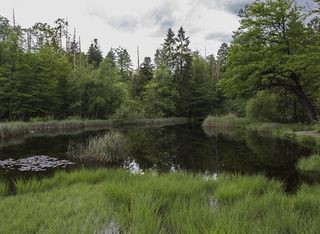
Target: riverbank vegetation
column 15, row 129
column 104, row 200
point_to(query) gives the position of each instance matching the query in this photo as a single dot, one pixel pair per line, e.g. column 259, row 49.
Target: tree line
column 269, row 71
column 43, row 72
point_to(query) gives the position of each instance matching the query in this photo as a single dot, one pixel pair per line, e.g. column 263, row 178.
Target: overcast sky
column 132, row 23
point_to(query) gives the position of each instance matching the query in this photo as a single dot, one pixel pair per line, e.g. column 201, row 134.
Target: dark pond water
column 184, row 147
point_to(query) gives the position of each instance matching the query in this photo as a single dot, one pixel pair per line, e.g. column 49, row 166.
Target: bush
column 263, row 107
column 129, row 109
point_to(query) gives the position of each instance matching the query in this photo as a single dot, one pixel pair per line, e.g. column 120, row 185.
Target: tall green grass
column 95, row 201
column 3, row 189
column 311, row 163
column 109, row 148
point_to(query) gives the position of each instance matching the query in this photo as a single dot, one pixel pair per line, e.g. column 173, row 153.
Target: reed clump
column 109, row 148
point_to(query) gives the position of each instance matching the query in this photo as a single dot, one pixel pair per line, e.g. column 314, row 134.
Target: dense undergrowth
column 96, row 201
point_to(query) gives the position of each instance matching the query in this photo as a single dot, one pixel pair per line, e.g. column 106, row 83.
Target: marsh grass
column 311, row 163
column 14, row 129
column 109, row 148
column 88, row 201
column 224, row 122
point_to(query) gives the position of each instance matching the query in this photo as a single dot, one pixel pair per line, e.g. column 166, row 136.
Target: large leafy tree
column 272, row 50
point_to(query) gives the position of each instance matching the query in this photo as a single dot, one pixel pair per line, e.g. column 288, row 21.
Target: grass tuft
column 311, row 163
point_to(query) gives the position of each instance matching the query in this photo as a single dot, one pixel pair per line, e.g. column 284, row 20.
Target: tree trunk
column 306, row 103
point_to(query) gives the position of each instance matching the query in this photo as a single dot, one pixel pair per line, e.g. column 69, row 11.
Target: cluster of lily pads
column 34, row 163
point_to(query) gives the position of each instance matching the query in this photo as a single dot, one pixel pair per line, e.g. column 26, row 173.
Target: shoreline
column 19, row 129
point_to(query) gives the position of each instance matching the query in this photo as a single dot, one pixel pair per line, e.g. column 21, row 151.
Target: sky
column 132, row 23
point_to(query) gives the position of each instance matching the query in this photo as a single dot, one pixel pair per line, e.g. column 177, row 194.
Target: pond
column 167, row 149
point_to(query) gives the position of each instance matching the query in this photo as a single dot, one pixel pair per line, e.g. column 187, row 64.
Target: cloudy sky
column 132, row 23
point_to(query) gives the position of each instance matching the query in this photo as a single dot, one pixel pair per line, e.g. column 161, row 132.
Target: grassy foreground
column 106, row 200
column 13, row 129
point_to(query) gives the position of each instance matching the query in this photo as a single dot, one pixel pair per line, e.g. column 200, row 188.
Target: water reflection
column 186, row 147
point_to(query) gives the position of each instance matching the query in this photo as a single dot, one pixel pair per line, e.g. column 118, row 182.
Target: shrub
column 263, row 107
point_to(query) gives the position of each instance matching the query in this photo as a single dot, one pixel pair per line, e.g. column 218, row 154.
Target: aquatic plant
column 311, row 163
column 109, row 148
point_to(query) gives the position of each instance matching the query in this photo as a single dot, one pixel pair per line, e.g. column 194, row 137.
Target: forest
column 269, row 71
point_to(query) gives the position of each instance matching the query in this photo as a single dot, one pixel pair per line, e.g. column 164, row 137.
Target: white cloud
column 129, row 23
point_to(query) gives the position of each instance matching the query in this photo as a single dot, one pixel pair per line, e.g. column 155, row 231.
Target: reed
column 109, row 148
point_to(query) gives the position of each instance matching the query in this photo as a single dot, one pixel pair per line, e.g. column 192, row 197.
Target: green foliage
column 159, row 96
column 265, row 56
column 263, row 107
column 130, row 110
column 235, row 106
column 204, row 90
column 94, row 54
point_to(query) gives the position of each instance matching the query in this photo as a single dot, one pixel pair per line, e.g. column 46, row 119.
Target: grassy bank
column 15, row 129
column 96, row 201
column 288, row 131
